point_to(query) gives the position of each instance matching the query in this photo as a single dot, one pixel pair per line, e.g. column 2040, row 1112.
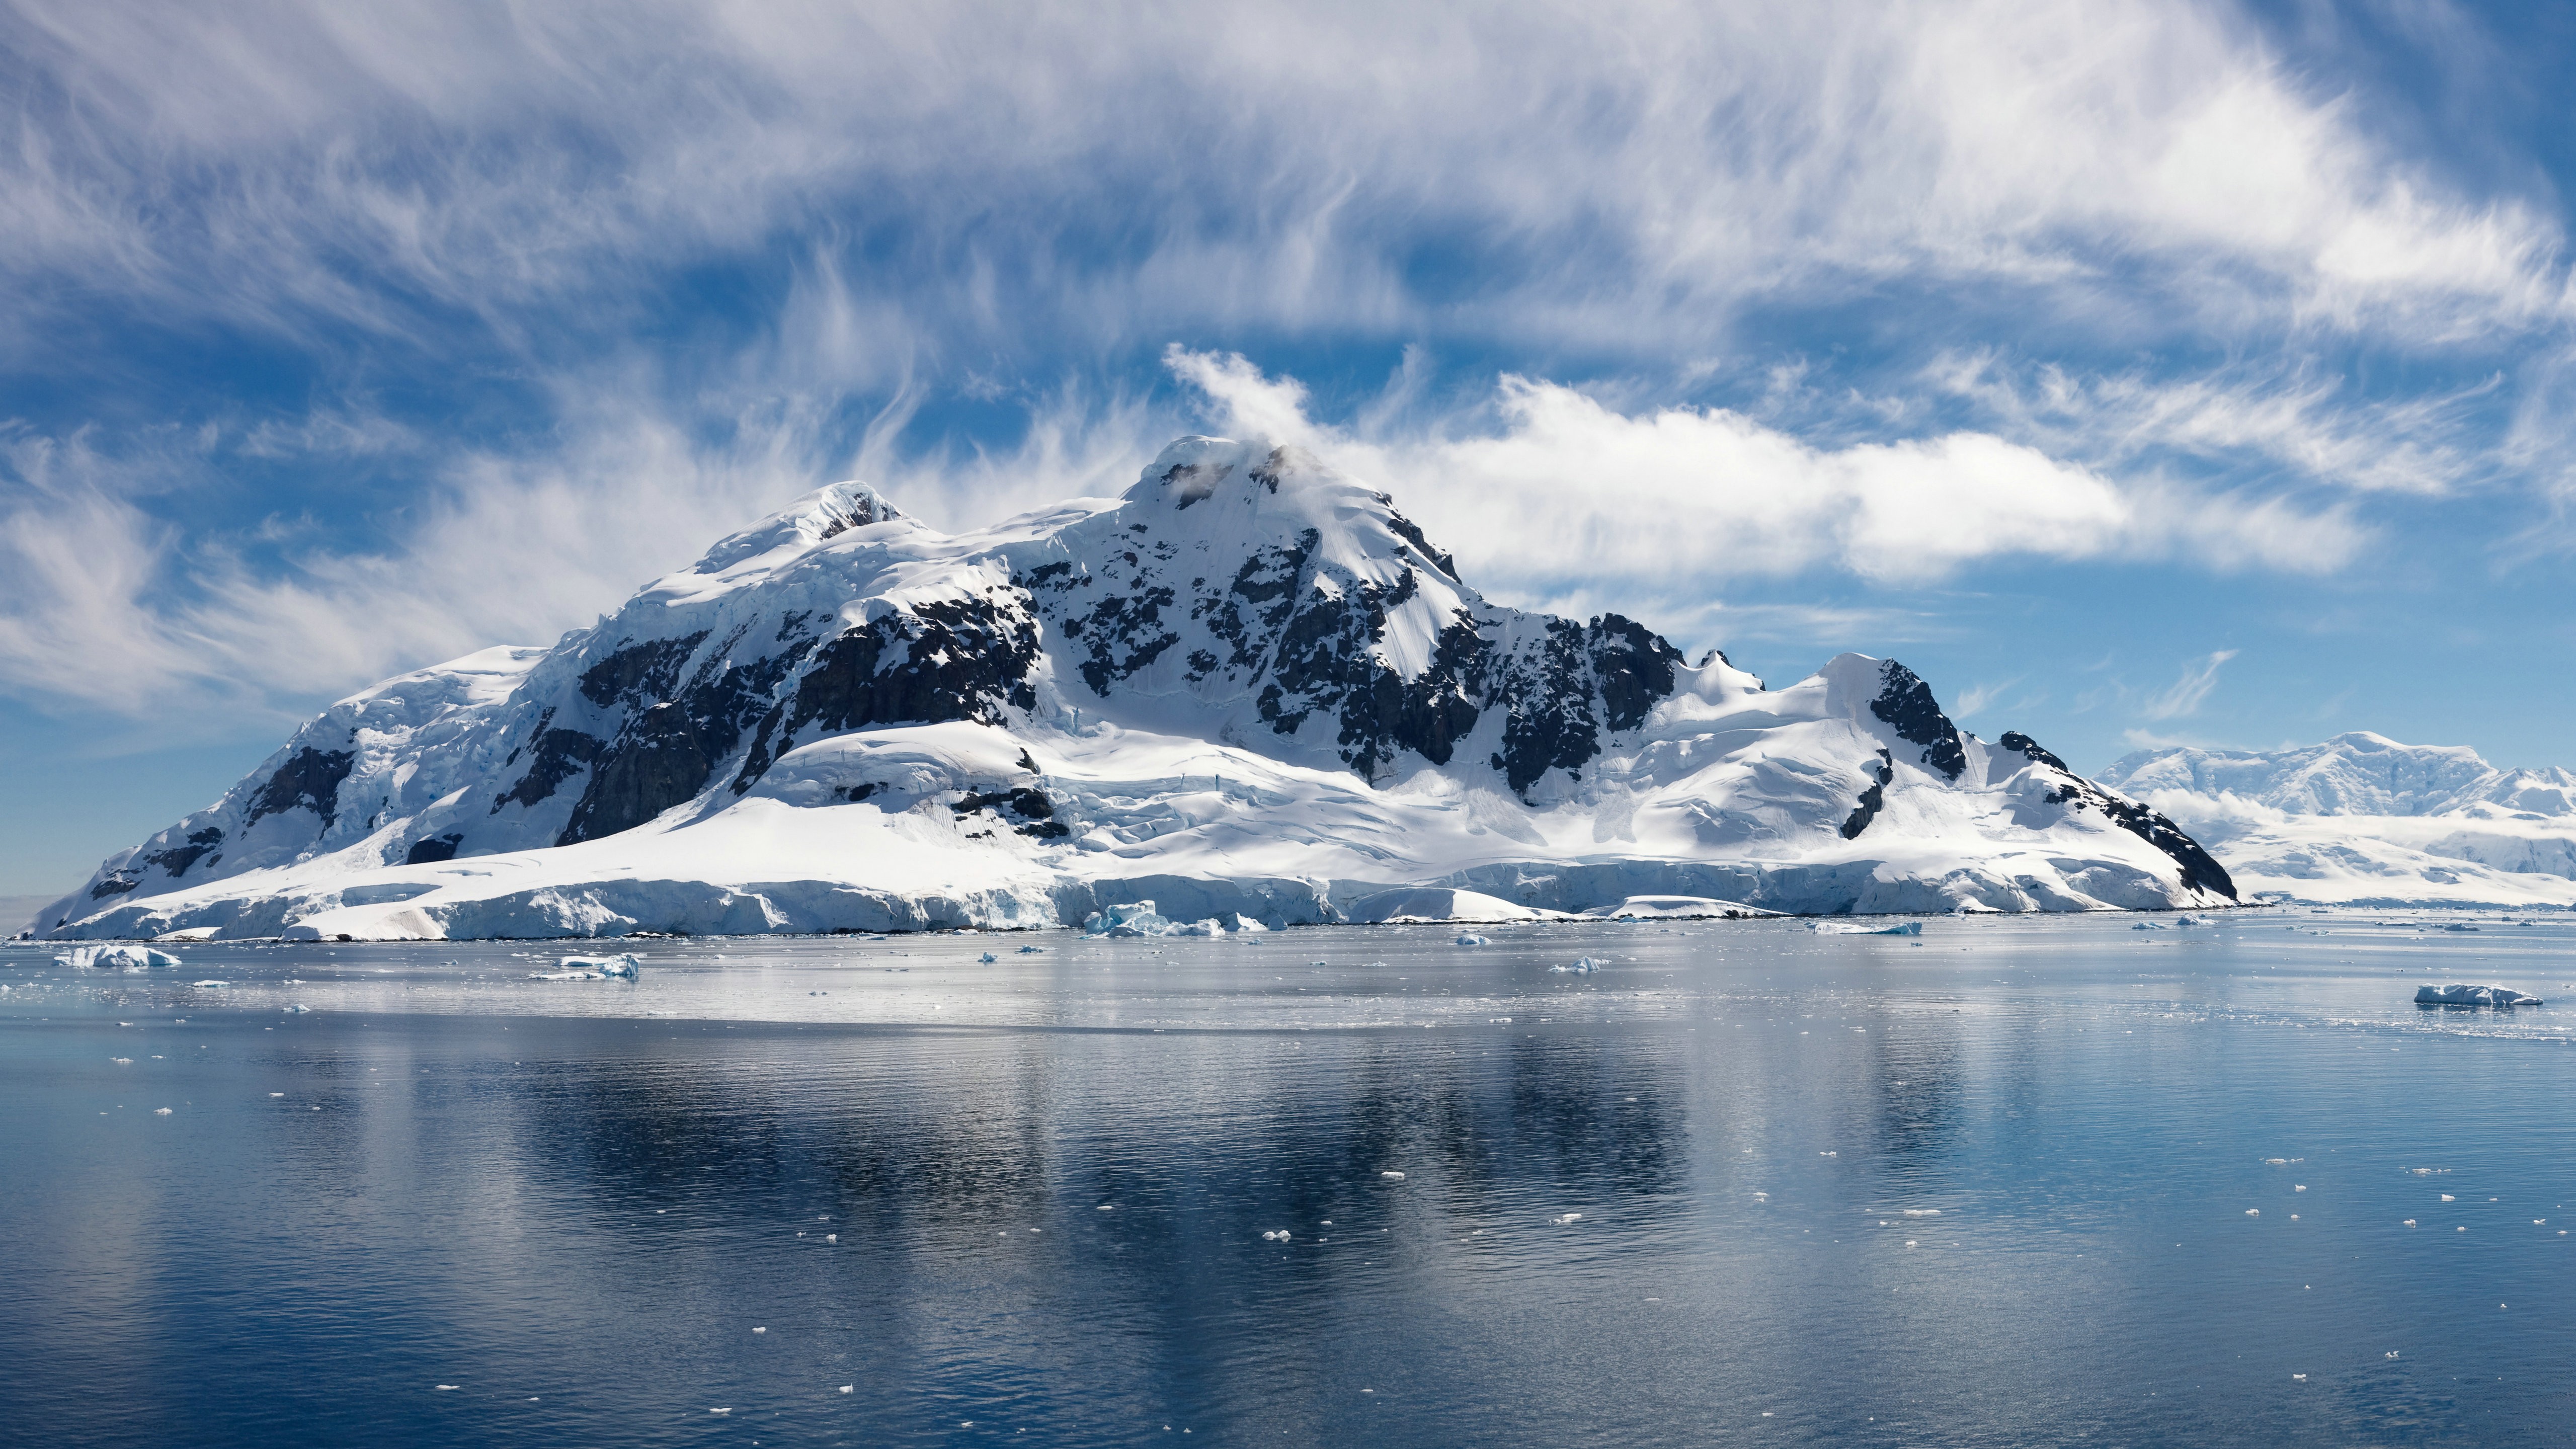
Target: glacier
column 2364, row 820
column 1249, row 690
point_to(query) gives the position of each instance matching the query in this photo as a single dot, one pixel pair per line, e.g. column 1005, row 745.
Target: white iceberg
column 628, row 967
column 1136, row 918
column 115, row 958
column 2458, row 995
column 1583, row 967
column 210, row 983
column 1837, row 928
column 1468, row 940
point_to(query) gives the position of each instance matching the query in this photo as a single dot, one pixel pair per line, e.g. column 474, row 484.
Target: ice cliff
column 1249, row 686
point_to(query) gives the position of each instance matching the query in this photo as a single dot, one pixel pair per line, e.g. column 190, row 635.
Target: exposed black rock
column 178, row 858
column 1905, row 703
column 639, row 673
column 656, row 762
column 560, row 755
column 945, row 660
column 1871, row 799
column 434, row 849
column 310, row 779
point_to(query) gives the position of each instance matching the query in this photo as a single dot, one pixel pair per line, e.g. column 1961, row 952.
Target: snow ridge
column 2363, row 819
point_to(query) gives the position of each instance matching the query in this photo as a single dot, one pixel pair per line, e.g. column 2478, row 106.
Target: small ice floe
column 1468, row 940
column 1922, row 1212
column 628, row 967
column 297, row 1009
column 2253, row 1212
column 1032, row 950
column 210, row 983
column 1583, row 966
column 2148, row 926
column 727, row 1410
column 1567, row 1218
column 988, row 958
column 848, row 1389
column 447, row 1388
column 2446, row 1197
column 1838, row 928
column 2459, row 995
column 2456, row 926
column 160, row 1111
column 760, row 1330
column 277, row 1094
column 122, row 1061
column 1392, row 1175
column 1280, row 1235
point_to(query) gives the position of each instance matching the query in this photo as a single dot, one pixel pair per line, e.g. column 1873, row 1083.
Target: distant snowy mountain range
column 1249, row 689
column 2362, row 819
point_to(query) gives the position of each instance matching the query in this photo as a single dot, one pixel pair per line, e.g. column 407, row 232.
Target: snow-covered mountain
column 1248, row 686
column 2363, row 819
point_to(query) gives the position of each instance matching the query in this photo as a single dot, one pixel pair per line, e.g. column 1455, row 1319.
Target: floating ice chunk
column 1843, row 928
column 297, row 1009
column 1032, row 950
column 1392, row 1175
column 760, row 1330
column 115, row 958
column 1582, row 967
column 447, row 1388
column 988, row 958
column 210, row 983
column 1136, row 918
column 1209, row 927
column 2459, row 995
column 2253, row 1212
column 1922, row 1212
column 628, row 967
column 2148, row 926
column 2446, row 1197
column 160, row 1111
column 1567, row 1218
column 1467, row 940
column 849, row 1388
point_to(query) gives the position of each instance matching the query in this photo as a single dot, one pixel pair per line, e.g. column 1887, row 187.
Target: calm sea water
column 2016, row 1182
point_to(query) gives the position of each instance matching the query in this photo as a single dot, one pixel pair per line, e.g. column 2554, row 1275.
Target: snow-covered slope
column 2364, row 819
column 1250, row 685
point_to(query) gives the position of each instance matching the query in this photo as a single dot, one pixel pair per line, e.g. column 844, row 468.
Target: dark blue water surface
column 2013, row 1182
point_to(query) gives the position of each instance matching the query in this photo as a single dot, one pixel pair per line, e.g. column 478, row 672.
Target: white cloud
column 2189, row 692
column 1623, row 174
column 1566, row 491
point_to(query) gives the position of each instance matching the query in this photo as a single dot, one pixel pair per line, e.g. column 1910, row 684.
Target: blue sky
column 2136, row 372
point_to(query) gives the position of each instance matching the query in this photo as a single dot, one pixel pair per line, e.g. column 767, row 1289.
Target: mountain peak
column 1247, row 678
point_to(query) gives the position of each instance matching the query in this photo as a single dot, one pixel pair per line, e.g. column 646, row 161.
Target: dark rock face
column 178, row 858
column 2199, row 869
column 434, row 849
column 654, row 764
column 1872, row 800
column 560, row 754
column 1906, row 705
column 1306, row 640
column 1031, row 806
column 639, row 671
column 310, row 779
column 945, row 660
